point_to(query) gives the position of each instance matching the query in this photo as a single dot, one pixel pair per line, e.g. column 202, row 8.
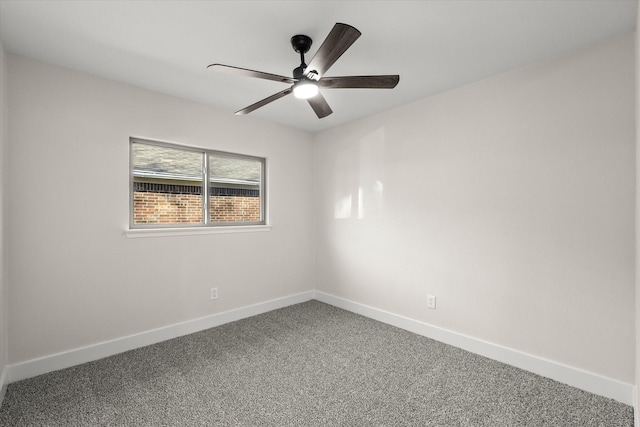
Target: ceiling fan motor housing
column 301, row 43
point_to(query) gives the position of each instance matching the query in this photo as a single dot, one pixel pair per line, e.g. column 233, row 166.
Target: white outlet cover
column 431, row 301
column 214, row 293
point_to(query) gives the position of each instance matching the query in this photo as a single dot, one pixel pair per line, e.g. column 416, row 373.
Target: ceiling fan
column 307, row 79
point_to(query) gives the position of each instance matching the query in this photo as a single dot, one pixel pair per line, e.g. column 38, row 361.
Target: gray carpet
column 306, row 365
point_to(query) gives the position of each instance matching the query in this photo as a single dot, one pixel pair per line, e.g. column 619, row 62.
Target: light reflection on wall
column 359, row 174
column 343, row 208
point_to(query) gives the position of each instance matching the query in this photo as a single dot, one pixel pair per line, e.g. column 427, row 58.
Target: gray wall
column 637, row 198
column 4, row 328
column 76, row 279
column 511, row 200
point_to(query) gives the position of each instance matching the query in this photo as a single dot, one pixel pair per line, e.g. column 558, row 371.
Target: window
column 168, row 184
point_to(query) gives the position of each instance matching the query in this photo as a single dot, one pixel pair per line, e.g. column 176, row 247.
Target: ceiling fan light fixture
column 305, row 89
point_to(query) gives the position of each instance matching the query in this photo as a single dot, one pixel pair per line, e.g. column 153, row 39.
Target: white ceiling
column 433, row 45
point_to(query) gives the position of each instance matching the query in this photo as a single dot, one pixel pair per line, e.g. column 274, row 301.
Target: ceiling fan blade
column 360, row 82
column 337, row 42
column 320, row 106
column 264, row 102
column 250, row 73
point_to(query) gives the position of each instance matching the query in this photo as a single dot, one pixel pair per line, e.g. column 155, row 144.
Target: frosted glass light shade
column 305, row 89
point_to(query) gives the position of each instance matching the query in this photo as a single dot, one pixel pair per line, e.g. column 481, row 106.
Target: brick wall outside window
column 234, row 208
column 182, row 204
column 166, row 208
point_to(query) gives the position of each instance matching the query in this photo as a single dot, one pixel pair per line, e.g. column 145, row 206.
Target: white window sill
column 134, row 233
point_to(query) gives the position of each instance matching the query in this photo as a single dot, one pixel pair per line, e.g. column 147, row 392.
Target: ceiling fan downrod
column 300, row 44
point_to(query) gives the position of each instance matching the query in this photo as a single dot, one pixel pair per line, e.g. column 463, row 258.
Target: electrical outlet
column 431, row 301
column 214, row 293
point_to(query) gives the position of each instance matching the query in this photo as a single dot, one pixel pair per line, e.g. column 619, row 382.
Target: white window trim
column 135, row 233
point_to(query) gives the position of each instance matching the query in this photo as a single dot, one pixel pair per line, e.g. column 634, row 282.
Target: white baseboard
column 54, row 362
column 636, row 416
column 574, row 377
column 4, row 381
column 584, row 380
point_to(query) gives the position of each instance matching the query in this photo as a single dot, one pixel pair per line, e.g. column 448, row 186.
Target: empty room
column 318, row 213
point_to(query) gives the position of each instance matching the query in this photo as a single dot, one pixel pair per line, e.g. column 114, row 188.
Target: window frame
column 207, row 224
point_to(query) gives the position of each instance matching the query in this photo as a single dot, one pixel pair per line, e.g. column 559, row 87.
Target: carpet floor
column 310, row 364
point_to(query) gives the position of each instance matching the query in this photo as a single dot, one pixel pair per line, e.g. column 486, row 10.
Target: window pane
column 167, row 185
column 234, row 189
